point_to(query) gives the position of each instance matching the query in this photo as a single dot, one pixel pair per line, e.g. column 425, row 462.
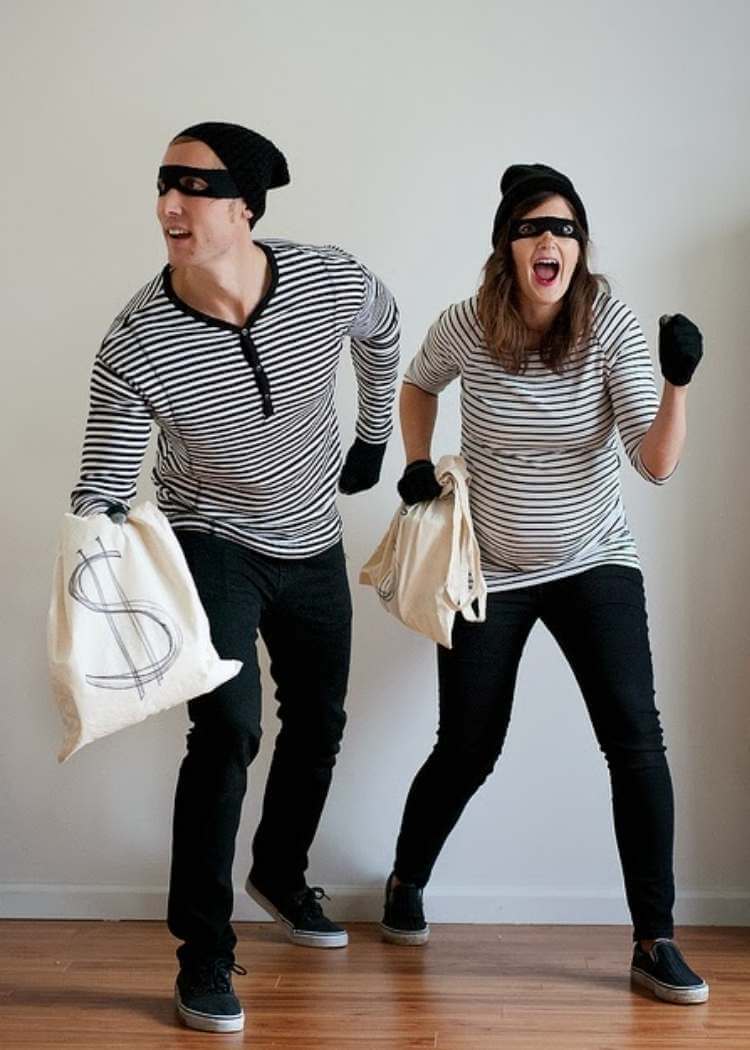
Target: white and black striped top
column 248, row 444
column 541, row 447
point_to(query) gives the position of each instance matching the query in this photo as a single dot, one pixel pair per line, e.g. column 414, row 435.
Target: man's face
column 199, row 230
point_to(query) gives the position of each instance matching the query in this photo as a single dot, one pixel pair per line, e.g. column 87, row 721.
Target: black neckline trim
column 216, row 322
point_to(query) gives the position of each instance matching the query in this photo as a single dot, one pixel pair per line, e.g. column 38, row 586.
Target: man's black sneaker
column 300, row 915
column 205, row 998
column 403, row 917
column 664, row 971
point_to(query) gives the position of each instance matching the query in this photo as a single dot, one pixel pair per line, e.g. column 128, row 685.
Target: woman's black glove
column 361, row 468
column 418, row 482
column 680, row 348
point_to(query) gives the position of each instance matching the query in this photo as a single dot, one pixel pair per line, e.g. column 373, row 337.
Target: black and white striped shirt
column 541, row 447
column 248, row 444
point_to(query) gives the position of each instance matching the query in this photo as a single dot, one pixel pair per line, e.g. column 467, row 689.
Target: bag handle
column 451, row 473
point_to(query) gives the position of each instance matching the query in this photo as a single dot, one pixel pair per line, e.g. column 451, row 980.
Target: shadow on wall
column 716, row 565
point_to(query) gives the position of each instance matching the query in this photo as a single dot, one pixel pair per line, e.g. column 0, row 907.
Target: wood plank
column 109, row 985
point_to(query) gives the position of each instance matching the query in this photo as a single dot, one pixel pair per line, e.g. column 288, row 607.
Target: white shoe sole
column 208, row 1022
column 668, row 992
column 414, row 937
column 306, row 940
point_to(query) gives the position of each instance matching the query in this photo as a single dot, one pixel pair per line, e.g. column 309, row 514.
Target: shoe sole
column 669, row 992
column 306, row 940
column 208, row 1022
column 413, row 937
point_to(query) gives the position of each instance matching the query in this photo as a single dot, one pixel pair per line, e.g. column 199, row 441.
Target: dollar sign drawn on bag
column 154, row 668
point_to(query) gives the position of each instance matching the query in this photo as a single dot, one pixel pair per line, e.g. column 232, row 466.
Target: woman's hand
column 680, row 348
column 418, row 482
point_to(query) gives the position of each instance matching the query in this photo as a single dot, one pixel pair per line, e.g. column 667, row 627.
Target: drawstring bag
column 127, row 635
column 427, row 566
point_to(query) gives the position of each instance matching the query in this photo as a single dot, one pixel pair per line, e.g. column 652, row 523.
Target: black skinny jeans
column 302, row 610
column 598, row 618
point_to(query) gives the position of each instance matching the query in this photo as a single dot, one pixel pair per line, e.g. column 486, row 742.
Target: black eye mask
column 196, row 182
column 520, row 228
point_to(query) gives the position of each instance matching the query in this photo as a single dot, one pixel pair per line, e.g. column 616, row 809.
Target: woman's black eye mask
column 520, row 228
column 196, row 182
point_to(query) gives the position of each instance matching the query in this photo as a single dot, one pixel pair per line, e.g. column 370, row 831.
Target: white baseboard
column 470, row 904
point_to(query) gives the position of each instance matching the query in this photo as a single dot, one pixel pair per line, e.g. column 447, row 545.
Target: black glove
column 680, row 348
column 418, row 482
column 117, row 514
column 361, row 468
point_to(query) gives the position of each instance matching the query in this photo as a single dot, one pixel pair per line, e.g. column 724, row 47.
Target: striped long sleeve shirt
column 541, row 447
column 248, row 445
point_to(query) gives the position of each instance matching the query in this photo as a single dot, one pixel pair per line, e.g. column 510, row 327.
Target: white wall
column 397, row 119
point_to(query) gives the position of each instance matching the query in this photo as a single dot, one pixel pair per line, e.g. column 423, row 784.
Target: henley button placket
column 251, row 356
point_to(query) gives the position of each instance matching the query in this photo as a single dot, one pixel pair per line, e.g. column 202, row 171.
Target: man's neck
column 228, row 290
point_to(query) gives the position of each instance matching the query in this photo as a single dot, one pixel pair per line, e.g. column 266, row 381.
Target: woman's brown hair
column 505, row 331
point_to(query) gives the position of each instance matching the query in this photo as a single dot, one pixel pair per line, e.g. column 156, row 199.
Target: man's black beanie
column 521, row 181
column 254, row 163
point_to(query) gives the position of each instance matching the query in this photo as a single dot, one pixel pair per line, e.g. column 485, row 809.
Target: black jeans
column 598, row 618
column 302, row 610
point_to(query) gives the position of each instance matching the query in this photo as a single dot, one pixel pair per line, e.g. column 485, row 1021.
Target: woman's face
column 544, row 263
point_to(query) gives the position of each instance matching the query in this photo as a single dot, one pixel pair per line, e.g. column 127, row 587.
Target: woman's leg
column 476, row 682
column 599, row 620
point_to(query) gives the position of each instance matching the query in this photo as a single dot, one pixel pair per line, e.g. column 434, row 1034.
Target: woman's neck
column 538, row 319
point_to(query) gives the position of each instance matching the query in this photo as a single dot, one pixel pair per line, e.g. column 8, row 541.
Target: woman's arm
column 680, row 350
column 417, row 412
column 663, row 442
column 436, row 364
column 652, row 431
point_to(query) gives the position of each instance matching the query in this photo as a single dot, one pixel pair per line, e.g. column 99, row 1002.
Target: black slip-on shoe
column 403, row 915
column 664, row 972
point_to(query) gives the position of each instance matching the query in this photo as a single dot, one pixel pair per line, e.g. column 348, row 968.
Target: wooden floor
column 109, row 984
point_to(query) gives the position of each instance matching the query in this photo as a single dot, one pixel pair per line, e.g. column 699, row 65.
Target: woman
column 551, row 367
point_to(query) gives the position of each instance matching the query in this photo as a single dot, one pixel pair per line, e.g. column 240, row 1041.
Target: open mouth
column 546, row 271
column 177, row 233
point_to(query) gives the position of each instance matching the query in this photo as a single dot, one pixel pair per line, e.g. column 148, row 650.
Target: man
column 232, row 349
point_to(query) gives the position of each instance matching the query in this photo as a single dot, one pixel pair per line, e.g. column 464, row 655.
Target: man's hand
column 361, row 468
column 418, row 482
column 680, row 348
column 117, row 514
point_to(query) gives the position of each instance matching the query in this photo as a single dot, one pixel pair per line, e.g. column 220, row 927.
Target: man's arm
column 375, row 336
column 117, row 433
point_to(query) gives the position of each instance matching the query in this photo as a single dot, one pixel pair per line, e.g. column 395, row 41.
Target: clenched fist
column 680, row 348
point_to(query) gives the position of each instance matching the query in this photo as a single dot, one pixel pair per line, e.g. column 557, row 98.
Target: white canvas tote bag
column 427, row 566
column 127, row 635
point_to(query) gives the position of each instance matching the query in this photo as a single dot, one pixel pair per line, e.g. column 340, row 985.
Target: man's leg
column 308, row 635
column 222, row 741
